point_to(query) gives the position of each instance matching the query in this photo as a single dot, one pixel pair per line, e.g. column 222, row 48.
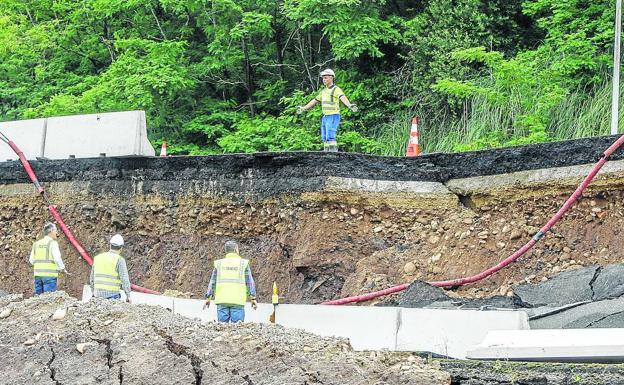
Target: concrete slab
column 452, row 332
column 114, row 134
column 28, row 135
column 368, row 328
column 599, row 314
column 571, row 345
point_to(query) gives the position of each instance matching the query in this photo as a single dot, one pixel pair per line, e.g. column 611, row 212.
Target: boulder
column 565, row 288
column 609, row 283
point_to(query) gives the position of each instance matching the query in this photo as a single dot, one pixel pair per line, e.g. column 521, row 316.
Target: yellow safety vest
column 105, row 275
column 231, row 288
column 330, row 100
column 43, row 262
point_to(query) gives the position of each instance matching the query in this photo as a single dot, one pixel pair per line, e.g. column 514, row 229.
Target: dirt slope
column 321, row 225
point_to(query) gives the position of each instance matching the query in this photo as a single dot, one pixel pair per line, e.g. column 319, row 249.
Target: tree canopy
column 227, row 75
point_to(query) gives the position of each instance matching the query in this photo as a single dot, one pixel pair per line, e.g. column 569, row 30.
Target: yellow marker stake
column 275, row 301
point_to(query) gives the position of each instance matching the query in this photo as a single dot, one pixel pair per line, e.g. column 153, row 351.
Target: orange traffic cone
column 413, row 148
column 163, row 149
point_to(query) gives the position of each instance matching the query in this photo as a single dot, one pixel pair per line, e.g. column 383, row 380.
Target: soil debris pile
column 109, row 342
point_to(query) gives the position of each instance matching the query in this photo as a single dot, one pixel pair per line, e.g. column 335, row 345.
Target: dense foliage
column 227, row 75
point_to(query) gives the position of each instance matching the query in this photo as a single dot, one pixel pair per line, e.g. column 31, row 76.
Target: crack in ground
column 591, row 283
column 120, row 375
column 603, row 318
column 181, row 350
column 52, row 370
column 109, row 351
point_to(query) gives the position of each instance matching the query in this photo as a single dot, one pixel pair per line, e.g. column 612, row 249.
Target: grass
column 486, row 125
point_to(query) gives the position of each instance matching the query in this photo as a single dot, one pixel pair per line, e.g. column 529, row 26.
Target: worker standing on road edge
column 330, row 97
column 45, row 257
column 109, row 273
column 231, row 283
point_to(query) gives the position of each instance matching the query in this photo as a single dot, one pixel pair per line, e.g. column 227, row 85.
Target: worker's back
column 105, row 274
column 231, row 286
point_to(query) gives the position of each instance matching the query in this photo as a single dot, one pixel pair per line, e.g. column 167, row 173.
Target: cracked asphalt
column 138, row 344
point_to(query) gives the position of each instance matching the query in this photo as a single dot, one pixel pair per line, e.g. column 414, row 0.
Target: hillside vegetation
column 227, row 75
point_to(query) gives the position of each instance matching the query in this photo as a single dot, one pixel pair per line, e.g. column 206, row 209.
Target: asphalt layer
column 306, row 166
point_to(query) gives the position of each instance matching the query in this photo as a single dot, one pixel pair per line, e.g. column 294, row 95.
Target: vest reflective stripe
column 105, row 276
column 43, row 263
column 329, row 103
column 231, row 288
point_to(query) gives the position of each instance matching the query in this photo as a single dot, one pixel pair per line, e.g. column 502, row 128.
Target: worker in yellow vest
column 45, row 257
column 109, row 274
column 329, row 97
column 231, row 283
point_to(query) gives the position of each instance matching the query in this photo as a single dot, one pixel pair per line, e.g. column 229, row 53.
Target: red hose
column 512, row 258
column 57, row 217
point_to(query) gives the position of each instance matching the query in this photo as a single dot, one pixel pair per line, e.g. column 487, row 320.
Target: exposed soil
column 176, row 213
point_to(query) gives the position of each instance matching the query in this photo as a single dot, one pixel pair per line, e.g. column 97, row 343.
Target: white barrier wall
column 83, row 136
column 366, row 327
column 452, row 332
column 560, row 345
column 446, row 332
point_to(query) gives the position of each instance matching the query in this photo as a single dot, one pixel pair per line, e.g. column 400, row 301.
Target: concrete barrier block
column 558, row 345
column 28, row 135
column 367, row 328
column 114, row 134
column 452, row 332
column 151, row 299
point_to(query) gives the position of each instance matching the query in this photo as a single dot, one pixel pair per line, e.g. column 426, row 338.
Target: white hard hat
column 328, row 72
column 116, row 240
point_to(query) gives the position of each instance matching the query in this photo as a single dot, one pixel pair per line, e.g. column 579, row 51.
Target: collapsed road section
column 323, row 225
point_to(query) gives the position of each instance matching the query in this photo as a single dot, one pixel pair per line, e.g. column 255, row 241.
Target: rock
column 30, row 341
column 378, row 229
column 562, row 289
column 409, row 268
column 436, row 258
column 6, row 313
column 108, row 322
column 500, row 245
column 59, row 314
column 420, row 294
column 515, row 234
column 82, row 347
column 609, row 282
column 354, row 211
column 307, row 349
column 468, row 221
column 434, row 239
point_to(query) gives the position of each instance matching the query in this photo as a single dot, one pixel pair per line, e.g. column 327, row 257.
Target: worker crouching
column 109, row 273
column 231, row 283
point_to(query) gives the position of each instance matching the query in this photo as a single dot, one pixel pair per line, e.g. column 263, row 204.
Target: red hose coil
column 507, row 261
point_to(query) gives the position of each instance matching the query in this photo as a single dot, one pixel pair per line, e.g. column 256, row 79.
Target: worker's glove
column 254, row 304
column 353, row 108
column 206, row 304
column 300, row 110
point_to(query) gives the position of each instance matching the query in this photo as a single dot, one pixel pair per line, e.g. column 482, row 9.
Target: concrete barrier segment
column 83, row 136
column 557, row 345
column 452, row 333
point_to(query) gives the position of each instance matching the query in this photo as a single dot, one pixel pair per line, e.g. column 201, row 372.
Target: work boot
column 325, row 147
column 333, row 146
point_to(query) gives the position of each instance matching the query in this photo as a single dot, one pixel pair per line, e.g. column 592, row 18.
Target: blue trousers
column 230, row 313
column 44, row 285
column 329, row 127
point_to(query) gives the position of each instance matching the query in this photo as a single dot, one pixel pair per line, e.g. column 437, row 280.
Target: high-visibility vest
column 105, row 275
column 330, row 100
column 43, row 262
column 231, row 288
